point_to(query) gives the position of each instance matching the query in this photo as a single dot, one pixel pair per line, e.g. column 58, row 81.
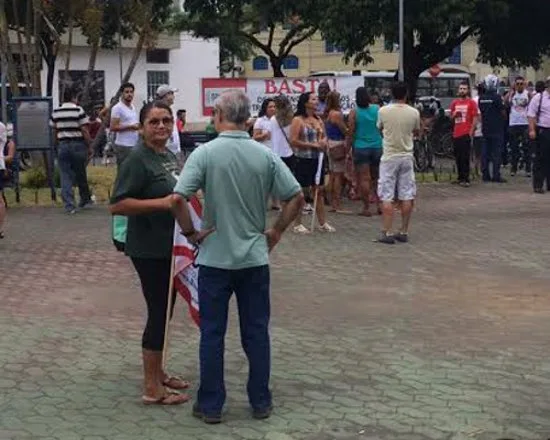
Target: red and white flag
column 186, row 275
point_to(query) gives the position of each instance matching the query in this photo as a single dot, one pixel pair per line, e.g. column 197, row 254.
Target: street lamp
column 401, row 74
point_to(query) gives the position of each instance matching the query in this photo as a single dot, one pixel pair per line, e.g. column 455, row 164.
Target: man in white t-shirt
column 518, row 102
column 166, row 94
column 125, row 124
column 398, row 122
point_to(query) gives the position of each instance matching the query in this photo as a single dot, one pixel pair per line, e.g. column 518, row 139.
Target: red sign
column 214, row 87
column 434, row 70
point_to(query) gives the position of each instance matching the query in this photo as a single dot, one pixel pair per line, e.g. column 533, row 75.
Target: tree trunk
column 69, row 50
column 36, row 57
column 22, row 53
column 85, row 99
column 129, row 71
column 29, row 46
column 50, row 65
column 5, row 48
column 411, row 79
column 277, row 66
column 412, row 63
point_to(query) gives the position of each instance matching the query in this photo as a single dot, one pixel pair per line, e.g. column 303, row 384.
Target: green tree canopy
column 238, row 23
column 509, row 32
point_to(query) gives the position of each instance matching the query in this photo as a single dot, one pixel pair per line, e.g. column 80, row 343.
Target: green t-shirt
column 237, row 175
column 146, row 174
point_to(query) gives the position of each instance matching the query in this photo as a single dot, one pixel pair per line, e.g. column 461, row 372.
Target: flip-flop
column 171, row 398
column 176, row 383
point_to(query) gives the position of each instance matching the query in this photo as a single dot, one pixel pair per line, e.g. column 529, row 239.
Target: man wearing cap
column 539, row 132
column 166, row 94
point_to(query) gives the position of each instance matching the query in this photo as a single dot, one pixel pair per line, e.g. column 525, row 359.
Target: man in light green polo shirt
column 237, row 176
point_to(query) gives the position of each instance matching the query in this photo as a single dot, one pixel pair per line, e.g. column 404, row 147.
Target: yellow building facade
column 316, row 55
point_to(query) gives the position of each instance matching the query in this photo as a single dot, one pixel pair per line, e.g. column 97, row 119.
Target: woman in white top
column 280, row 130
column 262, row 126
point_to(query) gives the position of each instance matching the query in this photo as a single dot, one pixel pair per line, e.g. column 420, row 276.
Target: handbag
column 337, row 150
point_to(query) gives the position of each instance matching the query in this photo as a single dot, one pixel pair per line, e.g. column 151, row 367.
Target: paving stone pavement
column 442, row 338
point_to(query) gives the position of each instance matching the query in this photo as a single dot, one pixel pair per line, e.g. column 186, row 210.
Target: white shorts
column 397, row 179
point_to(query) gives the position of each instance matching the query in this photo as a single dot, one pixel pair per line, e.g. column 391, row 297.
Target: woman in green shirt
column 367, row 147
column 143, row 193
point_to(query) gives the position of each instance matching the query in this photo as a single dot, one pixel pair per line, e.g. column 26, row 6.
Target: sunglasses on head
column 155, row 122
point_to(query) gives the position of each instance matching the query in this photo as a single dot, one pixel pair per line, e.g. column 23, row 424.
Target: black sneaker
column 538, row 191
column 210, row 419
column 262, row 414
column 401, row 237
column 501, row 180
column 385, row 238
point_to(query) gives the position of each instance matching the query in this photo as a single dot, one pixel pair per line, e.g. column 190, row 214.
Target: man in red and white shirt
column 465, row 113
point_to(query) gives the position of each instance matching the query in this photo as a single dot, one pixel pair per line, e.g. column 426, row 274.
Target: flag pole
column 314, row 208
column 168, row 310
column 317, row 185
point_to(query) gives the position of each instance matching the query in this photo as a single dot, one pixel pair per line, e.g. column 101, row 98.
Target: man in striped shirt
column 70, row 127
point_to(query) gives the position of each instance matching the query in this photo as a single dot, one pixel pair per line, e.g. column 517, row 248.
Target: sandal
column 176, row 383
column 171, row 398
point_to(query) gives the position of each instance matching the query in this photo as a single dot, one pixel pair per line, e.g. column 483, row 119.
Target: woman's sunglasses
column 155, row 122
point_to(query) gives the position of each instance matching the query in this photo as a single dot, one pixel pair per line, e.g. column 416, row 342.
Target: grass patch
column 100, row 179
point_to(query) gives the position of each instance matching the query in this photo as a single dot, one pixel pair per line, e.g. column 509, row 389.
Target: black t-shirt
column 146, row 174
column 491, row 107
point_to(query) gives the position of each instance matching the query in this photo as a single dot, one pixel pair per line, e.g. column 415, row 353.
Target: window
column 157, row 56
column 291, row 62
column 456, row 56
column 332, row 48
column 154, row 80
column 260, row 63
column 389, row 45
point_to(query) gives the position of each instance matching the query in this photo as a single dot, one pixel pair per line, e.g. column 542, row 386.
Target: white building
column 178, row 60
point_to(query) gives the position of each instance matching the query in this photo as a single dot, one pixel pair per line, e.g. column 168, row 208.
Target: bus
column 443, row 87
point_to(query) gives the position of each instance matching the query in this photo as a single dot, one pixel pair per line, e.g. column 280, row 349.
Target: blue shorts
column 367, row 156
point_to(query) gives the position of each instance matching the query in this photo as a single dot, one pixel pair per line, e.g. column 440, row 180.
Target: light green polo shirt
column 237, row 175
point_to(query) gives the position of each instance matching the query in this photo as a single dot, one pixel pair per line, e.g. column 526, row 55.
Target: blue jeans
column 251, row 287
column 491, row 153
column 72, row 160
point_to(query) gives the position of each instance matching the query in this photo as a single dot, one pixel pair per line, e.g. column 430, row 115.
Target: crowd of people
column 280, row 165
column 513, row 128
column 241, row 177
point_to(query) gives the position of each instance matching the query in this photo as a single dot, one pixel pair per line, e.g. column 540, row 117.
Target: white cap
column 164, row 89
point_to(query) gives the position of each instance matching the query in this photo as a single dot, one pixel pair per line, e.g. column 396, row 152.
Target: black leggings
column 154, row 275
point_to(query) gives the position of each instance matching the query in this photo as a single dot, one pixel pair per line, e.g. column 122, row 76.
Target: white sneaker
column 301, row 229
column 326, row 228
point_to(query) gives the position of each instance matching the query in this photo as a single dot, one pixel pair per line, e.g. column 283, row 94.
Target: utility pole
column 401, row 74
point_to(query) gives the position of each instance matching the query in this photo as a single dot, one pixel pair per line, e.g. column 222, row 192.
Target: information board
column 31, row 118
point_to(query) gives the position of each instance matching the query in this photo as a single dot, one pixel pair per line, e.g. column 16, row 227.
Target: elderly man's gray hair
column 234, row 105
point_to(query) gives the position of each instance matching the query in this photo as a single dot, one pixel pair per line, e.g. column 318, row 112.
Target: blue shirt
column 491, row 107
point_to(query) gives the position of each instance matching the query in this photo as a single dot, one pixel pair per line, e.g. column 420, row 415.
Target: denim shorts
column 367, row 156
